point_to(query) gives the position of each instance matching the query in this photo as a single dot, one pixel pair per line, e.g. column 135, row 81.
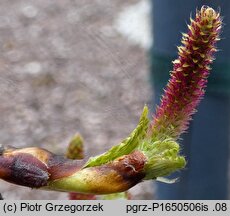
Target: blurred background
column 72, row 66
column 89, row 67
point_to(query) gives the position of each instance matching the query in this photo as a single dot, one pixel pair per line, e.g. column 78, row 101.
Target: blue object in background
column 206, row 143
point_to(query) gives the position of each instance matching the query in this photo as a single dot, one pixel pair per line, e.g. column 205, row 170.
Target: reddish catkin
column 189, row 76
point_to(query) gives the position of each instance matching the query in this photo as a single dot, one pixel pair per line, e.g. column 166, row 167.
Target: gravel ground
column 64, row 68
